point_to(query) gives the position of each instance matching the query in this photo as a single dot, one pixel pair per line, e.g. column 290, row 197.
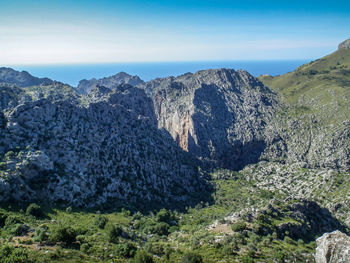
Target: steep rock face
column 333, row 248
column 345, row 44
column 111, row 82
column 22, row 79
column 218, row 115
column 109, row 149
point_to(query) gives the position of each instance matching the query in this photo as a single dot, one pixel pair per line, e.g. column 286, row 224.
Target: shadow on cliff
column 211, row 122
column 127, row 162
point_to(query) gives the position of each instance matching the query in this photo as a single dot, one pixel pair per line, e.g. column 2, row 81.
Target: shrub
column 41, row 234
column 161, row 229
column 142, row 256
column 163, row 216
column 192, row 257
column 10, row 254
column 84, row 247
column 11, row 220
column 238, row 226
column 126, row 250
column 63, row 234
column 2, row 219
column 101, row 221
column 247, row 259
column 34, row 210
column 114, row 233
column 18, row 229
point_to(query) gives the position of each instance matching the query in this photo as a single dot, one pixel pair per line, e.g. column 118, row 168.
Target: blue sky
column 42, row 32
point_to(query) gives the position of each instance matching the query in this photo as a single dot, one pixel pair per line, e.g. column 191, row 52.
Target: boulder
column 333, row 248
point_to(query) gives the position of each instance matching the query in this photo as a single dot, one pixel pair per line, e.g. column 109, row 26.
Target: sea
column 73, row 73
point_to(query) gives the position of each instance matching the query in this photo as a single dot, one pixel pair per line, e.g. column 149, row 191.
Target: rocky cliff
column 92, row 151
column 216, row 115
column 333, row 248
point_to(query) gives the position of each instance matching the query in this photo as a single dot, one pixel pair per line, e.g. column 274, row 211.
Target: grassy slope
column 321, row 87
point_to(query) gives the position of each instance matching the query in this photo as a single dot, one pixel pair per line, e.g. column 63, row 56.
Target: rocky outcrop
column 216, row 115
column 303, row 139
column 111, row 82
column 333, row 248
column 107, row 150
column 345, row 44
column 22, row 79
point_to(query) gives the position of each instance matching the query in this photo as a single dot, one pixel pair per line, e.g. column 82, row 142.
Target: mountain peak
column 344, row 45
column 109, row 82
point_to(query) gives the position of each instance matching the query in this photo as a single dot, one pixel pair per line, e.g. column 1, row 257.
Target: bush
column 18, row 229
column 161, row 229
column 11, row 220
column 2, row 219
column 84, row 247
column 238, row 226
column 126, row 250
column 101, row 221
column 114, row 233
column 63, row 234
column 10, row 254
column 142, row 256
column 163, row 216
column 192, row 257
column 41, row 234
column 34, row 210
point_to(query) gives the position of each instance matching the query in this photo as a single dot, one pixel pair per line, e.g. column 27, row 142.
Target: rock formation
column 105, row 149
column 333, row 248
column 111, row 82
column 345, row 44
column 217, row 115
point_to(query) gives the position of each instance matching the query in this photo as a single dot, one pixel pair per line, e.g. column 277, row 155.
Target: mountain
column 22, row 79
column 314, row 124
column 214, row 166
column 216, row 115
column 89, row 151
column 111, row 82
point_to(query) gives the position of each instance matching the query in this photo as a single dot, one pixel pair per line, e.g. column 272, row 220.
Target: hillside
column 315, row 121
column 22, row 79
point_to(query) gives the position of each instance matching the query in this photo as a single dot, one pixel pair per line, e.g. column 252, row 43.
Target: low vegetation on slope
column 248, row 222
column 314, row 124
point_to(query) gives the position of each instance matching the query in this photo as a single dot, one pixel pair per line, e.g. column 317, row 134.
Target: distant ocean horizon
column 72, row 74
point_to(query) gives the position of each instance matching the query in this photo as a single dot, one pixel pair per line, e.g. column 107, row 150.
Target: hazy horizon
column 73, row 73
column 90, row 32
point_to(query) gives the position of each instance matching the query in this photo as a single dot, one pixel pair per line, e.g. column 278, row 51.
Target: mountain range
column 122, row 142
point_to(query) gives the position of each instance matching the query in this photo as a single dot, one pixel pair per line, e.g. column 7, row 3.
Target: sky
column 68, row 32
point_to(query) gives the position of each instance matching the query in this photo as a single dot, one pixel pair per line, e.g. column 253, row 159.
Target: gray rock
column 333, row 248
column 110, row 148
column 216, row 115
column 85, row 86
column 345, row 44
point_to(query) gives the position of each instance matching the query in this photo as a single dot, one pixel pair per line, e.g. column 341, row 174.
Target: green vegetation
column 321, row 87
column 200, row 234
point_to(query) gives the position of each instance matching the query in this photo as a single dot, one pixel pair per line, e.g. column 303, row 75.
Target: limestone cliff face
column 108, row 148
column 333, row 248
column 216, row 115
